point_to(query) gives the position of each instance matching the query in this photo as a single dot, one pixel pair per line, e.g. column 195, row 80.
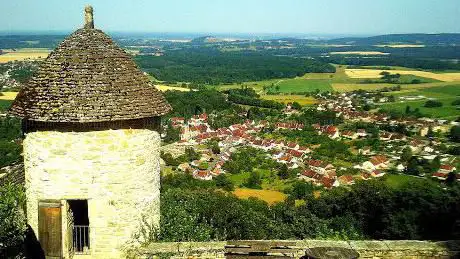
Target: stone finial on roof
column 88, row 78
column 89, row 20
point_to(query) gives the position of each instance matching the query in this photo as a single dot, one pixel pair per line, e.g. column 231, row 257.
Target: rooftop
column 88, row 78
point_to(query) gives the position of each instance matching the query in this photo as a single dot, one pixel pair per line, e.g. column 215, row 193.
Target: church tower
column 91, row 150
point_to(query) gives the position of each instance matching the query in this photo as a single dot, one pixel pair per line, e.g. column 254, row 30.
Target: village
column 419, row 141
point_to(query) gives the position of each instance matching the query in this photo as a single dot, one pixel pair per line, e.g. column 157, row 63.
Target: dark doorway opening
column 80, row 225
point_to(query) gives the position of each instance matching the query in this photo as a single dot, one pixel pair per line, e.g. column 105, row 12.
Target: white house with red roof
column 447, row 168
column 376, row 163
column 202, row 175
column 348, row 134
column 319, row 166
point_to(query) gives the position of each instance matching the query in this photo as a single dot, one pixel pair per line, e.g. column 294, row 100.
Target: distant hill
column 206, row 39
column 426, row 39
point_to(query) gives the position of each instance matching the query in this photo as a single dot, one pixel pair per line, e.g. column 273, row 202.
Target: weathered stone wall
column 404, row 249
column 117, row 171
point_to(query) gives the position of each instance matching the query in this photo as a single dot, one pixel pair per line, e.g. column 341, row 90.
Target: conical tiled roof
column 88, row 78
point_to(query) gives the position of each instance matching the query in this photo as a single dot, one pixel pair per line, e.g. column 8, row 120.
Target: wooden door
column 50, row 229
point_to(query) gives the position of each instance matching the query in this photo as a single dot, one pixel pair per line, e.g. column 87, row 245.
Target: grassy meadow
column 445, row 94
column 304, row 85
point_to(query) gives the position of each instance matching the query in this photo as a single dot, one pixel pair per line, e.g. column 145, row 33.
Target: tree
column 169, row 159
column 191, row 154
column 413, row 166
column 455, row 151
column 223, row 182
column 408, row 109
column 296, row 105
column 432, row 104
column 451, row 178
column 12, row 217
column 283, row 172
column 430, row 133
column 435, row 164
column 301, row 190
column 254, row 181
column 455, row 133
column 406, row 154
column 214, row 146
column 172, row 134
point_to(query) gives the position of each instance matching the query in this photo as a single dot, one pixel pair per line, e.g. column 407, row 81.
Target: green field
column 270, row 181
column 304, row 85
column 398, row 180
column 445, row 94
column 285, row 90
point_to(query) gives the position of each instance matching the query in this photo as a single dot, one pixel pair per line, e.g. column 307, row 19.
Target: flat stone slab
column 369, row 245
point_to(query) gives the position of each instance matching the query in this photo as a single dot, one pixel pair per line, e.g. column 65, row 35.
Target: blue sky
column 237, row 16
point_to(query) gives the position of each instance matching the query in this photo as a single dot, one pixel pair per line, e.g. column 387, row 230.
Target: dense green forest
column 187, row 104
column 393, row 61
column 368, row 210
column 211, row 66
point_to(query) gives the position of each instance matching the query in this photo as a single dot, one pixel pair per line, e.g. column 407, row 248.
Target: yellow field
column 266, row 195
column 339, row 87
column 301, row 99
column 401, row 46
column 375, row 73
column 364, row 53
column 23, row 54
column 164, row 88
column 8, row 95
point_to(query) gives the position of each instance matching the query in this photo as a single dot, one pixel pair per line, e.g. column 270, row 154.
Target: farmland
column 400, row 46
column 375, row 73
column 268, row 196
column 23, row 54
column 369, row 79
column 304, row 85
column 445, row 94
column 363, row 53
column 163, row 88
column 301, row 99
column 8, row 95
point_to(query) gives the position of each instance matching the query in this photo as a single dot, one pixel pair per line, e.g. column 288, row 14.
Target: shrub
column 433, row 104
column 12, row 218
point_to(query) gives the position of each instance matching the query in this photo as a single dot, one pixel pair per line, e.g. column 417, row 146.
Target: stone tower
column 91, row 148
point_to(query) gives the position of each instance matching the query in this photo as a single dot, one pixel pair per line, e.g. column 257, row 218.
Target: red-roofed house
column 377, row 173
column 346, row 179
column 365, row 176
column 329, row 182
column 308, row 175
column 349, row 134
column 331, row 131
column 376, row 162
column 202, row 175
column 440, row 176
column 447, row 168
column 319, row 166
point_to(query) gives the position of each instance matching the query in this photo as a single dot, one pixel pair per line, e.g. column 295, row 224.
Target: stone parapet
column 366, row 249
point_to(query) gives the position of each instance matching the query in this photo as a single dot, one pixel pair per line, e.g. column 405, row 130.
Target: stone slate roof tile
column 88, row 78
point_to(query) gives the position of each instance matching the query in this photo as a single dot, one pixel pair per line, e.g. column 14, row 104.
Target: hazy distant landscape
column 350, row 132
